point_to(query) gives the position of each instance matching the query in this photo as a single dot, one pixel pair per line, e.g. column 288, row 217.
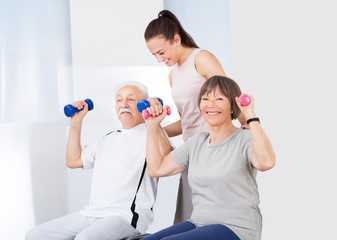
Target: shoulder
column 198, row 138
column 242, row 133
column 208, row 65
column 243, row 136
column 114, row 132
column 245, row 133
column 204, row 56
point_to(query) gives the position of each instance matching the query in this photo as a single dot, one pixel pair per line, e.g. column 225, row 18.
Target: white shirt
column 118, row 161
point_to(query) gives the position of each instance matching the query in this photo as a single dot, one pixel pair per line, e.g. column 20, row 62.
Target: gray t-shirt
column 223, row 182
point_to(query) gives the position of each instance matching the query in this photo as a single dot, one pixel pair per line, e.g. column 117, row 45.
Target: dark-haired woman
column 222, row 165
column 170, row 43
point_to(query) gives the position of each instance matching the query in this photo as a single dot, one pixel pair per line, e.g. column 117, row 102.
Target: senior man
column 122, row 194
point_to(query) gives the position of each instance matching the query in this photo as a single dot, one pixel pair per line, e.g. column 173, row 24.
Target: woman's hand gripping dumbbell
column 143, row 104
column 244, row 100
column 246, row 105
column 70, row 110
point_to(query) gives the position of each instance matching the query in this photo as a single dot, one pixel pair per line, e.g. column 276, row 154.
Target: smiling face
column 215, row 108
column 164, row 50
column 126, row 106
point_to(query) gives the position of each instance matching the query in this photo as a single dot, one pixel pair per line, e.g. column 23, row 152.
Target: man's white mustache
column 123, row 110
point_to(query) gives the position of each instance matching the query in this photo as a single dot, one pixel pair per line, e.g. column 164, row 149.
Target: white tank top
column 186, row 85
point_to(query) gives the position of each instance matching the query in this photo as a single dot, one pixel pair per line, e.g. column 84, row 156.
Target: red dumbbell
column 146, row 114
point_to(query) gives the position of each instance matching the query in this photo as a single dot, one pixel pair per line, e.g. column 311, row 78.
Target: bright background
column 53, row 52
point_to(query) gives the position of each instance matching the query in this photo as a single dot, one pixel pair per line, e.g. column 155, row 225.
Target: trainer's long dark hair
column 168, row 25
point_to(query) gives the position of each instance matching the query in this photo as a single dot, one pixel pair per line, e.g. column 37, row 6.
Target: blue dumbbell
column 144, row 104
column 70, row 110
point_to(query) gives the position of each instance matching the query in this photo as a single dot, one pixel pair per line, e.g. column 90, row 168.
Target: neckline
column 141, row 125
column 189, row 56
column 236, row 132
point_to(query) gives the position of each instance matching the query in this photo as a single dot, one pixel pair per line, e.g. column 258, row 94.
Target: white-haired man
column 122, row 194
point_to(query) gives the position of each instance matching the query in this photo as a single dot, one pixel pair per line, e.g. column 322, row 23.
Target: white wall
column 111, row 33
column 33, row 179
column 208, row 24
column 284, row 54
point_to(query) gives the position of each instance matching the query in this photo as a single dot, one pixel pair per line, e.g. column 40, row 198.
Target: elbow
column 70, row 165
column 268, row 164
column 74, row 161
column 152, row 174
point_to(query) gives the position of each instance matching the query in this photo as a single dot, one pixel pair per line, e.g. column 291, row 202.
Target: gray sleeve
column 181, row 155
column 247, row 146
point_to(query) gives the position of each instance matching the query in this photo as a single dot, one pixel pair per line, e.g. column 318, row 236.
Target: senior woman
column 222, row 167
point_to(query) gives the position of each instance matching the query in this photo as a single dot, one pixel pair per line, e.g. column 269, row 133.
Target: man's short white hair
column 137, row 84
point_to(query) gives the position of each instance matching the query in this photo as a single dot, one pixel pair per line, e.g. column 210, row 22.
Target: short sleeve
column 88, row 155
column 181, row 155
column 247, row 146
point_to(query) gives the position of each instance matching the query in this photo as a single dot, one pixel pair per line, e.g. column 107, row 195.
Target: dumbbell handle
column 143, row 104
column 146, row 114
column 244, row 100
column 70, row 110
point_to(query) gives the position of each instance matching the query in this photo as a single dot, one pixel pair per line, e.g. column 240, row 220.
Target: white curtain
column 35, row 84
column 35, row 60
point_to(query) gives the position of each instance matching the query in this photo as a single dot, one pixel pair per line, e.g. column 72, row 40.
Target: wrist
column 250, row 114
column 254, row 119
column 76, row 123
column 153, row 126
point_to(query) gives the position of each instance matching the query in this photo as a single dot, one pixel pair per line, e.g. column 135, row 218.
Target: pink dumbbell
column 146, row 114
column 244, row 100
